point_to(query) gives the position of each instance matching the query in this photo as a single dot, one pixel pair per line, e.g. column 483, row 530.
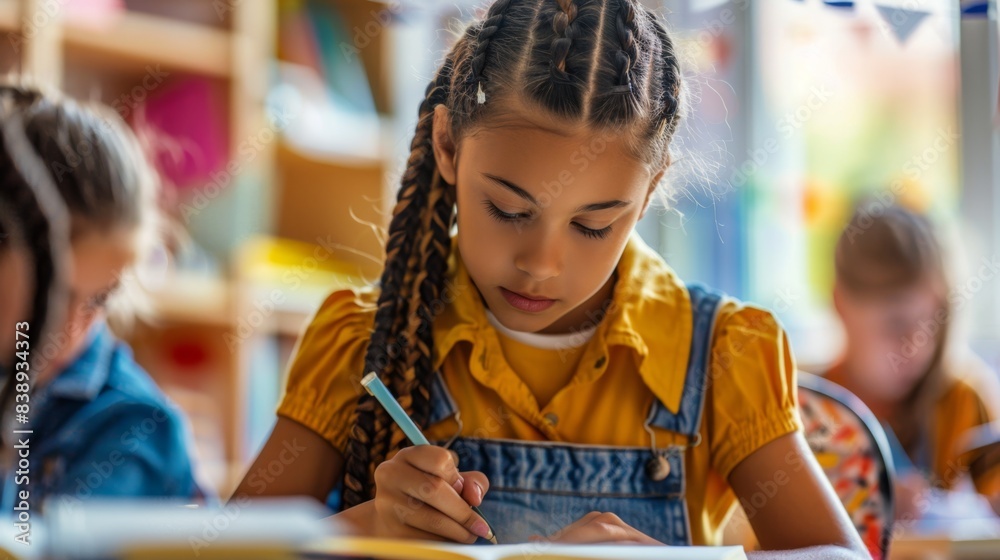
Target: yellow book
column 352, row 548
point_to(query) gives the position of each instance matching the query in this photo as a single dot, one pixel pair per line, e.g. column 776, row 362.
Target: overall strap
column 687, row 421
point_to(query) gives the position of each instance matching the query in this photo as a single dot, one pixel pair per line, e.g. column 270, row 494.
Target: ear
column 653, row 183
column 444, row 145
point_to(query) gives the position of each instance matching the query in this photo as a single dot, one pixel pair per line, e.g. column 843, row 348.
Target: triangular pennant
column 975, row 9
column 902, row 21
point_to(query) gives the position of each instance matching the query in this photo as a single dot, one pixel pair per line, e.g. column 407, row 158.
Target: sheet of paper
column 420, row 550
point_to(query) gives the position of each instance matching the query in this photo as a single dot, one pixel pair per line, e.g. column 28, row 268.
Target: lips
column 522, row 302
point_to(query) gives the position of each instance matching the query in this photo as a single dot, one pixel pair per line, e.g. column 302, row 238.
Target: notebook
column 352, row 548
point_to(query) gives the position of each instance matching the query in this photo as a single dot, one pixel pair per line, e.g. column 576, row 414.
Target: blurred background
column 281, row 129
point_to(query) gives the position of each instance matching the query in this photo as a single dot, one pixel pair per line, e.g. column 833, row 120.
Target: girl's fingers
column 436, row 493
column 437, row 523
column 476, row 487
column 436, row 461
column 597, row 527
column 411, row 512
column 407, row 531
column 575, row 525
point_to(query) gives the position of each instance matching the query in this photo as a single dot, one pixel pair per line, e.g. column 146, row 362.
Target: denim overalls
column 539, row 488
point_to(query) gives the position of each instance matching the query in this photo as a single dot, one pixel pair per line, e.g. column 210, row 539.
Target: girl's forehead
column 583, row 162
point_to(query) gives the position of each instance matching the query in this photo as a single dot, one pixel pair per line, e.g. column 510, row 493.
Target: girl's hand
column 597, row 527
column 421, row 495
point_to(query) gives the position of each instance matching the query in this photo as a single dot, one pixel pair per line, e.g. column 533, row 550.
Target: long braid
column 34, row 215
column 370, row 435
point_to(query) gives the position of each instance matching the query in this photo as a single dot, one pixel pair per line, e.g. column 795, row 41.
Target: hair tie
column 480, row 94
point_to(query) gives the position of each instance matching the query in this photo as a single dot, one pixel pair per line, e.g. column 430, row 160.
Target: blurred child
column 893, row 295
column 101, row 427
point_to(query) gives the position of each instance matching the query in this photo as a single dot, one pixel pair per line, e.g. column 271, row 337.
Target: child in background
column 893, row 294
column 101, row 427
column 587, row 394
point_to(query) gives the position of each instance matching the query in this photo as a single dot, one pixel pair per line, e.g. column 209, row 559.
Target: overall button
column 658, row 468
column 551, row 419
column 600, row 362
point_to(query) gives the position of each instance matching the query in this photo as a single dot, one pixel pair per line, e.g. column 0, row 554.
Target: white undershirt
column 545, row 341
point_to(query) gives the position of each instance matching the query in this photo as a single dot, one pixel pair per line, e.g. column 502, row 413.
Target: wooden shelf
column 146, row 39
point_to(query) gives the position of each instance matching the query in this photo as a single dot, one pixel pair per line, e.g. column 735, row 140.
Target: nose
column 541, row 256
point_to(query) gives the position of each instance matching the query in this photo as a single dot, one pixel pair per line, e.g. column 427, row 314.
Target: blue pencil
column 377, row 389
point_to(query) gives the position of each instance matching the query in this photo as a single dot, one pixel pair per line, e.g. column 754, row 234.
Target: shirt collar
column 650, row 314
column 84, row 377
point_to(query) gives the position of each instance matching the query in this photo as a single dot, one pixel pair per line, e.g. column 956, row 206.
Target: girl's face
column 891, row 340
column 543, row 218
column 98, row 260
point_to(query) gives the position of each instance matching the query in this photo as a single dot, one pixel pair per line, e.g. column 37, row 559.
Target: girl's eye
column 506, row 217
column 502, row 216
column 595, row 233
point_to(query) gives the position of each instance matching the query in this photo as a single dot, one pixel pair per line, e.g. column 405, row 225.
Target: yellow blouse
column 638, row 352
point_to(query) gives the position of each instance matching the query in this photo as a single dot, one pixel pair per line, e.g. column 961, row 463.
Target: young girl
column 584, row 391
column 894, row 298
column 100, row 426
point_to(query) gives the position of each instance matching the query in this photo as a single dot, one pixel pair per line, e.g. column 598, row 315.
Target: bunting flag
column 975, row 8
column 902, row 21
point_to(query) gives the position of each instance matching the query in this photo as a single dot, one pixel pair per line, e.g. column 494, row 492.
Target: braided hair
column 607, row 64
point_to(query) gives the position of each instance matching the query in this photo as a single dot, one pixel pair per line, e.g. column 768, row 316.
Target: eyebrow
column 527, row 196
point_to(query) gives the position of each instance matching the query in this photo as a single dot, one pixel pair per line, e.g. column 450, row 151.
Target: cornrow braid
column 628, row 54
column 562, row 25
column 388, row 350
column 490, row 27
column 670, row 78
column 32, row 213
